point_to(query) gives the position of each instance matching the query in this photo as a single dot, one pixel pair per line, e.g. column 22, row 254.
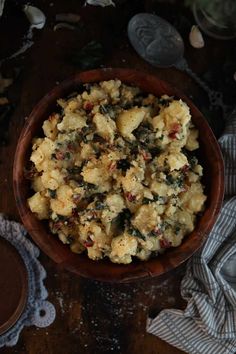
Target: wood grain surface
column 92, row 317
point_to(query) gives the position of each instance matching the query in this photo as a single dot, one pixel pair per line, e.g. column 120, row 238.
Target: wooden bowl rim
column 80, row 264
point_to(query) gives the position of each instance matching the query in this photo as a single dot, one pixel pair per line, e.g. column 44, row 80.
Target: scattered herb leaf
column 90, row 56
column 123, row 164
column 135, row 232
column 52, row 193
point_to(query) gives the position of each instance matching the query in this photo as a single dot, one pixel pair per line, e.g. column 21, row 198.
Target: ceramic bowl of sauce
column 13, row 285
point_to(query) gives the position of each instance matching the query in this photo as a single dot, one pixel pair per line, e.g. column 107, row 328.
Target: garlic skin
column 35, row 16
column 68, row 17
column 2, row 2
column 195, row 38
column 63, row 25
column 102, row 3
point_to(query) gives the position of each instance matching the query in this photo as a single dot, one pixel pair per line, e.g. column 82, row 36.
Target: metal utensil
column 160, row 44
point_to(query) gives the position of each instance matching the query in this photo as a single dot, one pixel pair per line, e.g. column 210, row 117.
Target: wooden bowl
column 209, row 155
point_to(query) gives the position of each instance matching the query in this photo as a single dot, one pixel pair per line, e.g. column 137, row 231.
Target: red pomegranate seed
column 172, row 135
column 57, row 225
column 157, row 231
column 60, row 155
column 185, row 168
column 71, row 221
column 94, row 214
column 130, row 197
column 112, row 166
column 66, row 179
column 164, row 243
column 51, row 117
column 70, row 147
column 74, row 212
column 88, row 106
column 175, row 129
column 30, row 174
column 76, row 198
column 146, row 155
column 88, row 242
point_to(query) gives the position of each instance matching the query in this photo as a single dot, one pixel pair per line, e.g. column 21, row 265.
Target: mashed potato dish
column 115, row 172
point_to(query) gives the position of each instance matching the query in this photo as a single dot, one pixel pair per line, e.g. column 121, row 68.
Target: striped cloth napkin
column 208, row 324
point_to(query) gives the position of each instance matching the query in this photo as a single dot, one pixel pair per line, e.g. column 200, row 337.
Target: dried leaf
column 3, row 101
column 90, row 56
column 4, row 83
column 68, row 17
column 64, row 25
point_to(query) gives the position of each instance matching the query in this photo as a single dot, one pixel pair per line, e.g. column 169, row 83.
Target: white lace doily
column 38, row 311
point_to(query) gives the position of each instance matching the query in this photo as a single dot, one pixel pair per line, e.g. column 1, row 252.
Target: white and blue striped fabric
column 208, row 324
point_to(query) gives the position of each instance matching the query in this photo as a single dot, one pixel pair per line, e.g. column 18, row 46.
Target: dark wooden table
column 94, row 317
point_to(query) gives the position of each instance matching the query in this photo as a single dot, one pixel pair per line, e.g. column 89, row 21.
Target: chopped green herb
column 85, row 131
column 60, row 217
column 155, row 151
column 177, row 229
column 127, row 105
column 165, row 101
column 74, row 170
column 193, row 161
column 70, row 239
column 99, row 205
column 179, row 182
column 164, row 225
column 159, row 198
column 107, row 109
column 147, row 201
column 135, row 232
column 87, row 186
column 170, row 180
column 175, row 182
column 52, row 193
column 124, row 217
column 90, row 186
column 123, row 164
column 156, row 198
column 142, row 133
column 67, row 155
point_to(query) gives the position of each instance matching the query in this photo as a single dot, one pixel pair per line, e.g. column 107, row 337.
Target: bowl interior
column 209, row 156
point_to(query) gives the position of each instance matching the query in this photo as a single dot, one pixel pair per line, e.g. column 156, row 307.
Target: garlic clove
column 35, row 16
column 195, row 38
